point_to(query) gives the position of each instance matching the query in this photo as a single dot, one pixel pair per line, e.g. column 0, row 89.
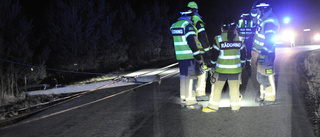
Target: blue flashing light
column 286, row 20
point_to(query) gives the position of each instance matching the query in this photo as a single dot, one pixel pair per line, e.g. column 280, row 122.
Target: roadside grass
column 26, row 104
column 14, row 105
column 310, row 86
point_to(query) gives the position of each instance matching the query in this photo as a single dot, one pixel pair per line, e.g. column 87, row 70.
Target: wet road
column 151, row 110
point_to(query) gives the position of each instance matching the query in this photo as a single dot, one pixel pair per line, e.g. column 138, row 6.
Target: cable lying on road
column 69, row 98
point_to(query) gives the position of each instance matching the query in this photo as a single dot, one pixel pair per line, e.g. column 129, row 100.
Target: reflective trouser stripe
column 270, row 92
column 212, row 88
column 190, row 94
column 187, row 95
column 201, row 86
column 272, row 83
column 262, row 92
column 183, row 88
column 216, row 95
column 189, row 90
column 234, row 94
column 186, row 84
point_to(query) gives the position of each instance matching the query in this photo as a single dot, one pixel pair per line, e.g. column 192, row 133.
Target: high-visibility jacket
column 267, row 29
column 181, row 31
column 203, row 43
column 232, row 54
column 260, row 42
column 246, row 28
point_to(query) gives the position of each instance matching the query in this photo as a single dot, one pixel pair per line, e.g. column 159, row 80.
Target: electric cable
column 67, row 71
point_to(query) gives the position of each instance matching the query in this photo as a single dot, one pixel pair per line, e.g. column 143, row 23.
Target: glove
column 211, row 66
column 243, row 65
column 206, row 59
column 212, row 78
column 202, row 68
column 199, row 68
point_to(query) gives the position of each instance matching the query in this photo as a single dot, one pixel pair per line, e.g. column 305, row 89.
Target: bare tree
column 74, row 34
column 16, row 55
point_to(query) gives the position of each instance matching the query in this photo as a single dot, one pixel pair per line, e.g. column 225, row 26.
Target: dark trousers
column 248, row 43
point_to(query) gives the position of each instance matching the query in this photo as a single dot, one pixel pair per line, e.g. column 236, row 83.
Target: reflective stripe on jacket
column 229, row 60
column 246, row 28
column 259, row 37
column 199, row 24
column 180, row 34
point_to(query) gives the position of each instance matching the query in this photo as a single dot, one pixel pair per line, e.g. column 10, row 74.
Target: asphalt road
column 151, row 110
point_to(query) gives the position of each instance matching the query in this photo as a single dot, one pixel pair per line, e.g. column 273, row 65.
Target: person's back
column 265, row 47
column 187, row 53
column 204, row 47
column 181, row 30
column 246, row 31
column 229, row 62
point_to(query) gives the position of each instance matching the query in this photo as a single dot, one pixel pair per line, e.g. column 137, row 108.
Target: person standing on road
column 229, row 64
column 188, row 55
column 254, row 15
column 264, row 45
column 246, row 30
column 204, row 47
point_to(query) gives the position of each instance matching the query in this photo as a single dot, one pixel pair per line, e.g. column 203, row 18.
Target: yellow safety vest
column 229, row 61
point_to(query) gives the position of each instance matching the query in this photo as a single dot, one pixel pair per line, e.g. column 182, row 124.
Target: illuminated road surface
column 152, row 111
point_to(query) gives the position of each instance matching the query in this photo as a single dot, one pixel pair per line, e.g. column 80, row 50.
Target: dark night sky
column 301, row 11
column 304, row 13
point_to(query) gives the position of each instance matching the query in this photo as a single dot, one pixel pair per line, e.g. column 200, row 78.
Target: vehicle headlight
column 316, row 37
column 288, row 35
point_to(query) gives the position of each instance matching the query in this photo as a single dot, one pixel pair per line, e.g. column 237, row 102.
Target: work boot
column 268, row 102
column 208, row 110
column 194, row 106
column 183, row 103
column 258, row 100
column 202, row 98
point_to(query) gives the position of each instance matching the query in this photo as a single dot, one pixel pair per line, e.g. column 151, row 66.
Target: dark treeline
column 41, row 41
column 95, row 36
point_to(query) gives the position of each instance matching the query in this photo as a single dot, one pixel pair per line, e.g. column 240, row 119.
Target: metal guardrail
column 45, row 86
column 24, row 112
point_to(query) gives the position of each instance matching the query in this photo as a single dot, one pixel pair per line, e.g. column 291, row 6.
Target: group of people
column 226, row 58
